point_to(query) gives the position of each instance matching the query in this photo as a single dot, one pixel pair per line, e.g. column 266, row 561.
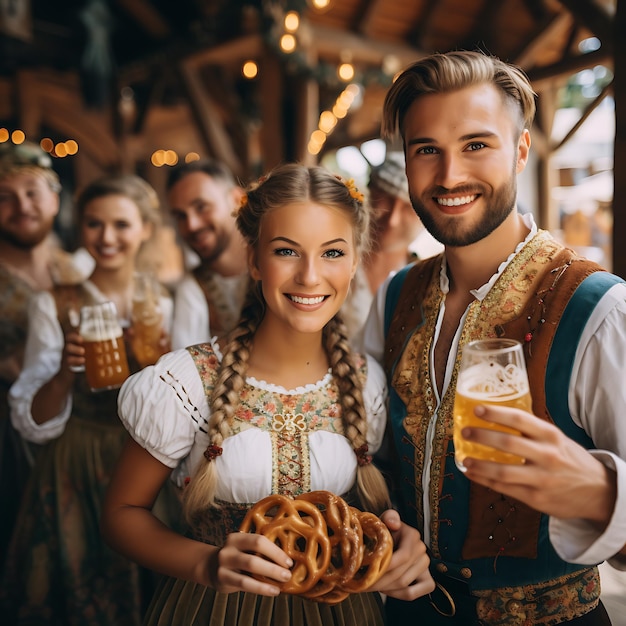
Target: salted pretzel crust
column 336, row 548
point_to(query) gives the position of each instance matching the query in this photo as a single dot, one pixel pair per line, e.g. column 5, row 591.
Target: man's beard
column 451, row 232
column 24, row 241
column 210, row 256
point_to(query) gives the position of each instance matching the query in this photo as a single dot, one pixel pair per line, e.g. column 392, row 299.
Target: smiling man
column 508, row 544
column 29, row 203
column 203, row 196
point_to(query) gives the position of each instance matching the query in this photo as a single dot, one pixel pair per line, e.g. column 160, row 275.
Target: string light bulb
column 287, row 43
column 320, row 4
column 18, row 137
column 292, row 21
column 250, row 69
column 346, row 72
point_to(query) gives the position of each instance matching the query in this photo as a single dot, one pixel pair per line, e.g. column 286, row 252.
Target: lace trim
column 271, row 387
column 262, row 384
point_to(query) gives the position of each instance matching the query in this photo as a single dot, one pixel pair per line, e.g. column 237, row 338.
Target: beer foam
column 491, row 380
column 102, row 330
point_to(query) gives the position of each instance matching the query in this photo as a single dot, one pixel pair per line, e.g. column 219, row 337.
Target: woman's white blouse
column 42, row 359
column 165, row 409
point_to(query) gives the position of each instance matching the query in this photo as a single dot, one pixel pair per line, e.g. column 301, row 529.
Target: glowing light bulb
column 250, row 69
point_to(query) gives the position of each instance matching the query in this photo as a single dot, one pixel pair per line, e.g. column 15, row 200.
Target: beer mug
column 491, row 371
column 147, row 319
column 106, row 364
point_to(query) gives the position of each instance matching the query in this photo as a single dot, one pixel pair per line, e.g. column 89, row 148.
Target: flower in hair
column 243, row 201
column 362, row 457
column 212, row 452
column 354, row 191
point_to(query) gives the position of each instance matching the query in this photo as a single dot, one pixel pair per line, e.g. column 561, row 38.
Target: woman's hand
column 73, row 358
column 407, row 577
column 244, row 554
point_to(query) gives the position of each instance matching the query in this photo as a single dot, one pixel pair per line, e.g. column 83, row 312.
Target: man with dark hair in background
column 203, row 196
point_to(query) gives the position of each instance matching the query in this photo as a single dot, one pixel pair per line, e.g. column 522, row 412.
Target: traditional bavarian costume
column 491, row 554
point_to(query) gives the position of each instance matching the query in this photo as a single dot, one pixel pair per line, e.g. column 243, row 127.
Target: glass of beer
column 106, row 364
column 492, row 371
column 147, row 319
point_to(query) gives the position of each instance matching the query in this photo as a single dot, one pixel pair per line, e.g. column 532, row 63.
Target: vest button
column 466, row 572
column 442, row 568
column 514, row 607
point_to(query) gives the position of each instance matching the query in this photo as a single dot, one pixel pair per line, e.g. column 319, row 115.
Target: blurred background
column 138, row 85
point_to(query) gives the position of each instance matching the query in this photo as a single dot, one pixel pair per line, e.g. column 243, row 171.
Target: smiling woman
column 52, row 404
column 281, row 406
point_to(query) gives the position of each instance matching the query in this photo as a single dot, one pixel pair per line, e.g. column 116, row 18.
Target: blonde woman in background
column 58, row 569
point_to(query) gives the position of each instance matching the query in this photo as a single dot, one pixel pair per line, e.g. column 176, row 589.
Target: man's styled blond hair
column 451, row 71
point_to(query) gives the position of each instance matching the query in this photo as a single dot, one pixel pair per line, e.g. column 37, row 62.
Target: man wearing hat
column 398, row 237
column 29, row 202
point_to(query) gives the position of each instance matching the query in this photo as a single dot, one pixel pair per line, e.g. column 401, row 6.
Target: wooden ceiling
column 74, row 65
column 143, row 41
column 168, row 52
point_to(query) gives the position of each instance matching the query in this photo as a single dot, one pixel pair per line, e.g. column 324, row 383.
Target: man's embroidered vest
column 224, row 309
column 477, row 534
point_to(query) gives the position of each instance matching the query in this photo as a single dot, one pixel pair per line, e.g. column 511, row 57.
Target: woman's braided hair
column 287, row 184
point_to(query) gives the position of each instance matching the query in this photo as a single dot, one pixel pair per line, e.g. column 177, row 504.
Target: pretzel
column 378, row 549
column 298, row 527
column 336, row 549
column 344, row 532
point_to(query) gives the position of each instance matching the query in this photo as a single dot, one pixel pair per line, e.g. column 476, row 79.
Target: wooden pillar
column 547, row 212
column 28, row 104
column 307, row 103
column 272, row 114
column 208, row 119
column 619, row 163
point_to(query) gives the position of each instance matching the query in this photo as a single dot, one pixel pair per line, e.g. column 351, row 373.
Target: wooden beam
column 568, row 66
column 486, row 19
column 247, row 47
column 307, row 104
column 28, row 102
column 586, row 113
column 593, row 17
column 527, row 56
column 424, row 25
column 144, row 13
column 367, row 16
column 547, row 213
column 208, row 119
column 272, row 87
column 329, row 43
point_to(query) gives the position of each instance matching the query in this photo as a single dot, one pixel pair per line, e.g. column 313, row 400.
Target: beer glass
column 147, row 319
column 491, row 371
column 106, row 364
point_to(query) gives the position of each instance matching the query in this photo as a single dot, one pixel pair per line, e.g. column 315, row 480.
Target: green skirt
column 181, row 603
column 59, row 571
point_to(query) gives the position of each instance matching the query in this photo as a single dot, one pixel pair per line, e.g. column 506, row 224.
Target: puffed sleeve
column 375, row 400
column 164, row 406
column 42, row 359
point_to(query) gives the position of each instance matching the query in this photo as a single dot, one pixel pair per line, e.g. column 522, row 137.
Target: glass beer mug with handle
column 492, row 371
column 147, row 319
column 106, row 364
